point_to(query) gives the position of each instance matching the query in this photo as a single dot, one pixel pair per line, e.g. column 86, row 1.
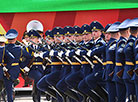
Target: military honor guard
column 134, row 31
column 110, row 61
column 14, row 68
column 120, row 61
column 74, row 64
column 129, row 64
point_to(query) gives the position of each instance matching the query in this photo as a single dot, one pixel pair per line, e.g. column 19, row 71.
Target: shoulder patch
column 131, row 43
column 121, row 43
column 97, row 45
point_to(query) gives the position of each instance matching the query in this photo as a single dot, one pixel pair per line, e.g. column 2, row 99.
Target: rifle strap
column 3, row 55
column 21, row 54
column 27, row 49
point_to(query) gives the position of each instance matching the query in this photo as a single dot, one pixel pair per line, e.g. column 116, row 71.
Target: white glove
column 89, row 53
column 5, row 69
column 96, row 74
column 41, row 54
column 78, row 52
column 51, row 53
column 60, row 53
column 67, row 52
column 27, row 69
column 25, row 42
column 43, row 67
column 36, row 54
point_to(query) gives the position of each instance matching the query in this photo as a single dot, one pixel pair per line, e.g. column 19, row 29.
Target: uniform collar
column 112, row 39
column 11, row 44
column 97, row 39
column 86, row 42
column 123, row 38
column 82, row 42
column 132, row 36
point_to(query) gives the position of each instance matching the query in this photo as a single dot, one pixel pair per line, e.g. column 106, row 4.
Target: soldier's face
column 65, row 39
column 12, row 41
column 78, row 38
column 107, row 36
column 87, row 37
column 51, row 39
column 92, row 35
column 83, row 37
column 96, row 34
column 68, row 37
column 59, row 37
column 2, row 44
column 27, row 39
column 35, row 39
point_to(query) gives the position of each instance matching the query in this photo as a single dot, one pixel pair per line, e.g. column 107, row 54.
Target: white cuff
column 27, row 69
column 89, row 53
column 5, row 69
column 41, row 55
column 36, row 54
column 67, row 53
column 60, row 53
column 78, row 52
column 43, row 67
column 51, row 53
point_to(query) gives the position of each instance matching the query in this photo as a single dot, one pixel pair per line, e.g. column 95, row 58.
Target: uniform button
column 36, row 66
column 36, row 59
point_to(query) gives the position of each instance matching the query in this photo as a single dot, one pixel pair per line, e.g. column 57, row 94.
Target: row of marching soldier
column 74, row 64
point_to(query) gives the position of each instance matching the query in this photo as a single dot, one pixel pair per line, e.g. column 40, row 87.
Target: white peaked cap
column 35, row 25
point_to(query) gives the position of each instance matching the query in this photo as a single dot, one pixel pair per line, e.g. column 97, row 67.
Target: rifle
column 31, row 62
column 111, row 74
column 28, row 47
column 96, row 57
column 41, row 45
column 56, row 49
column 74, row 56
column 82, row 56
column 136, row 71
column 6, row 72
column 120, row 73
column 130, row 72
column 43, row 41
column 85, row 57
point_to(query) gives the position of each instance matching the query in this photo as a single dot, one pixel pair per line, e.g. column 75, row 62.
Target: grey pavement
column 23, row 98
